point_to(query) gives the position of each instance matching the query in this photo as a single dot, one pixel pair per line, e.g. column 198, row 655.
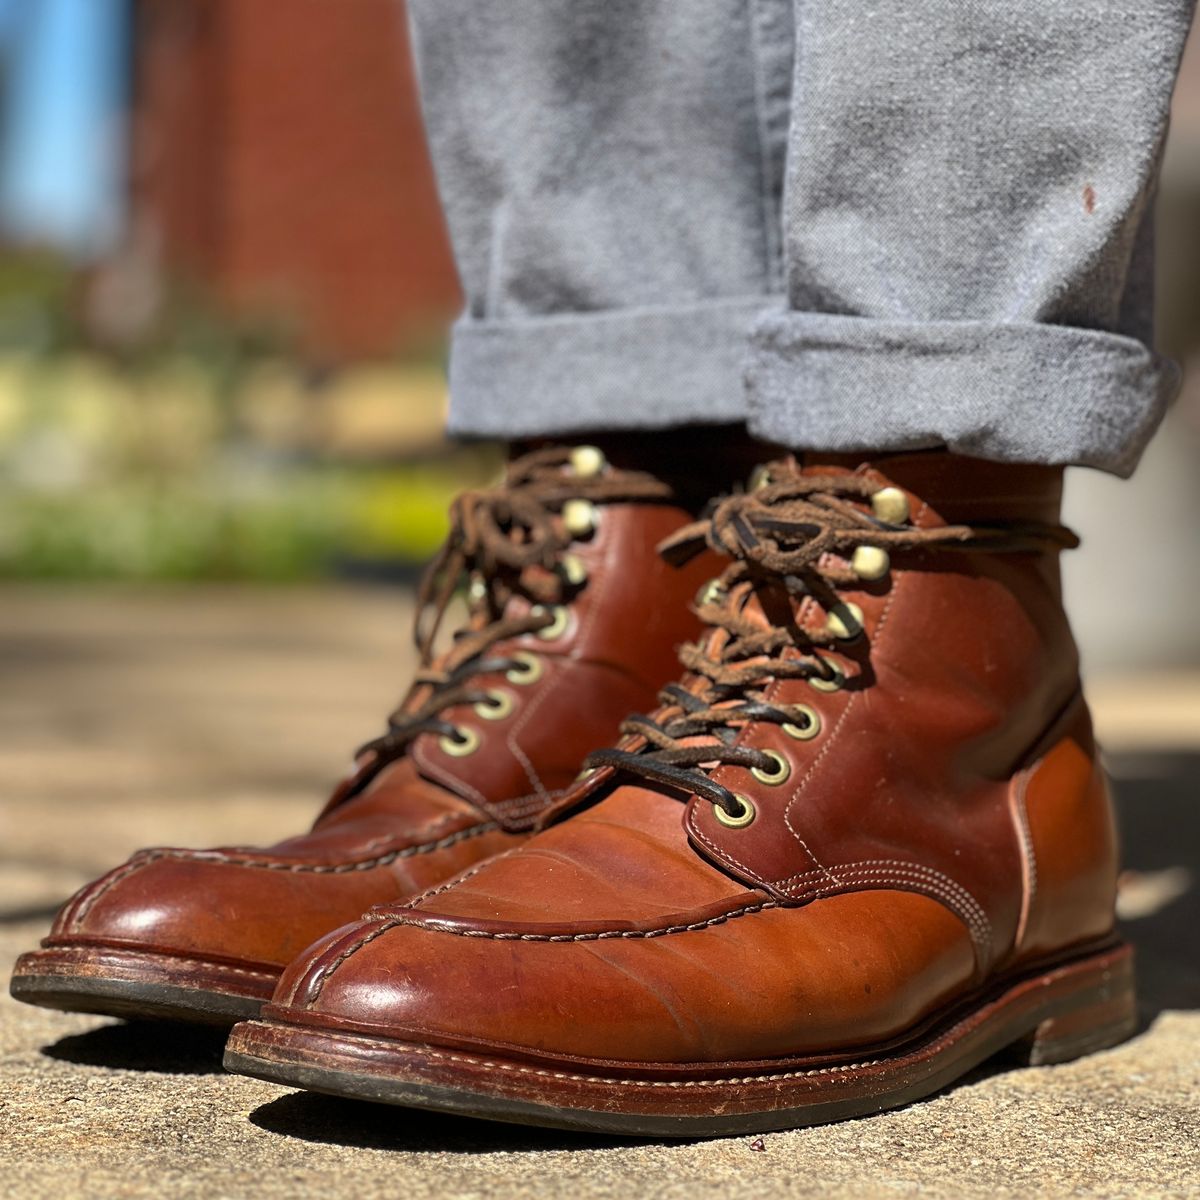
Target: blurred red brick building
column 279, row 159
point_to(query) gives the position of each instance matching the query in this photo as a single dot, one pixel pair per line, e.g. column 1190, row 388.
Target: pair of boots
column 861, row 845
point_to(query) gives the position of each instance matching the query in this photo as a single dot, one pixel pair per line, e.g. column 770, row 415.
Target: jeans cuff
column 1010, row 392
column 642, row 368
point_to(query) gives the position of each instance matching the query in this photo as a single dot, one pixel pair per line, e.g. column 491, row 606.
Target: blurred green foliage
column 305, row 523
column 210, row 462
column 37, row 302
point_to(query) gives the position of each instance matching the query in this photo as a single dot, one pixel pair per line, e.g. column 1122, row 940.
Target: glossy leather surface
column 946, row 827
column 428, row 815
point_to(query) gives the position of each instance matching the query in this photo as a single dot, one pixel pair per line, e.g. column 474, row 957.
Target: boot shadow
column 161, row 1048
column 1159, row 820
column 331, row 1120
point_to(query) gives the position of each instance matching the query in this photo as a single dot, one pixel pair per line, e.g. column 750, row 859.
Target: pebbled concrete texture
column 97, row 1108
column 201, row 717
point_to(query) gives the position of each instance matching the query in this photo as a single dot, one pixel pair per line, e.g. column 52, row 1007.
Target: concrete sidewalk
column 218, row 716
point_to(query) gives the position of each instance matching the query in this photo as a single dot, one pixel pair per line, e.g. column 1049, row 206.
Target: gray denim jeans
column 853, row 224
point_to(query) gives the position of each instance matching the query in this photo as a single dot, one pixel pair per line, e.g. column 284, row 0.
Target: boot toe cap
column 202, row 904
column 767, row 983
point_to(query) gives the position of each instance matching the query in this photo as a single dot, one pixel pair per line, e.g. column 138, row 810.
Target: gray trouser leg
column 960, row 254
column 968, row 230
column 611, row 172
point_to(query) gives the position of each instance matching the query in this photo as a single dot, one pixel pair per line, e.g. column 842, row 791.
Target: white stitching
column 1020, row 813
column 154, row 956
column 145, row 858
column 541, row 1072
column 928, row 875
column 646, row 1083
column 365, row 864
column 967, row 899
column 601, row 935
column 897, row 583
column 596, row 593
column 721, row 853
column 444, row 777
column 139, row 860
column 855, row 881
column 429, row 893
column 327, row 971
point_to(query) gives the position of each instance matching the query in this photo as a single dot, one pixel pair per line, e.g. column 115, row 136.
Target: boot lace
column 789, row 540
column 506, row 542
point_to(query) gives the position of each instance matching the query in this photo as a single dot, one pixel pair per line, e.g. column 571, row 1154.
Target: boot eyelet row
column 573, row 570
column 738, row 820
column 558, row 624
column 760, row 478
column 890, row 504
column 810, row 728
column 587, row 461
column 835, row 682
column 497, row 706
column 464, row 741
column 870, row 563
column 709, row 593
column 579, row 517
column 779, row 775
column 527, row 668
column 845, row 621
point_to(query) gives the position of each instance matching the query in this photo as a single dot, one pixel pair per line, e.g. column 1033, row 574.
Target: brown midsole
column 1059, row 1013
column 81, row 963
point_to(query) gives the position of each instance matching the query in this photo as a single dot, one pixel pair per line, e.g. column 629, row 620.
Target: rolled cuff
column 1012, row 392
column 644, row 368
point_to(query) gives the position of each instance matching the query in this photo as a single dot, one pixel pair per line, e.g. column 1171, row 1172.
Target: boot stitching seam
column 266, row 864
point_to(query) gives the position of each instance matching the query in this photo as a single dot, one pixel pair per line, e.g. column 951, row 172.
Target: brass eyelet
column 890, row 504
column 496, row 707
column 736, row 820
column 804, row 733
column 709, row 593
column 845, row 620
column 573, row 570
column 527, row 668
column 558, row 624
column 870, row 562
column 579, row 517
column 466, row 741
column 587, row 461
column 773, row 778
column 834, row 683
column 760, row 478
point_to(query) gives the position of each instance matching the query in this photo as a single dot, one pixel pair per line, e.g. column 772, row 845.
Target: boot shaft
column 945, row 700
column 574, row 620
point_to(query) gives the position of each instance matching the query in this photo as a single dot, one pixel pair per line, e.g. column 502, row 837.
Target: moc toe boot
column 573, row 621
column 862, row 846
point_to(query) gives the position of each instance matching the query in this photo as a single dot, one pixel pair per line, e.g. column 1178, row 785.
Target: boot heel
column 1102, row 1013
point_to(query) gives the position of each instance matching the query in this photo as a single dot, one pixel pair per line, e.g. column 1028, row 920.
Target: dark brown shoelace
column 509, row 542
column 777, row 537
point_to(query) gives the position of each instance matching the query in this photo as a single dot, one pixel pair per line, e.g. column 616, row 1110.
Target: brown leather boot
column 864, row 845
column 574, row 620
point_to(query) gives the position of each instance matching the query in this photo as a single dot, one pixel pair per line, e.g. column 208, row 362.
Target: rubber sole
column 140, row 985
column 1053, row 1016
